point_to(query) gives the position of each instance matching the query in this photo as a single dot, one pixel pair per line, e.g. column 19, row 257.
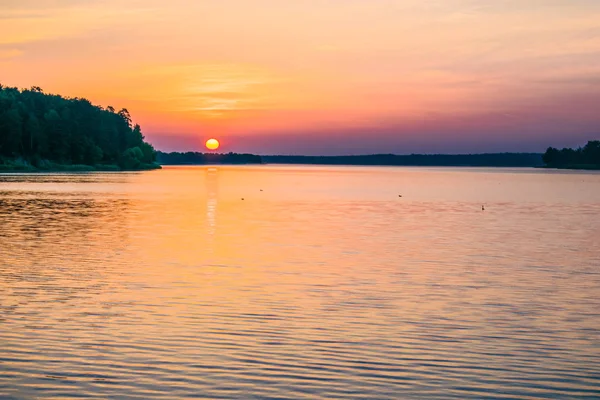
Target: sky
column 321, row 76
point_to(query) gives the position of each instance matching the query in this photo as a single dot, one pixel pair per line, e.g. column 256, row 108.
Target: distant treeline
column 437, row 160
column 587, row 157
column 46, row 131
column 193, row 158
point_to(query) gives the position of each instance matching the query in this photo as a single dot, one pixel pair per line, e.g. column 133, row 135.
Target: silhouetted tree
column 589, row 155
column 591, row 152
column 191, row 158
column 36, row 126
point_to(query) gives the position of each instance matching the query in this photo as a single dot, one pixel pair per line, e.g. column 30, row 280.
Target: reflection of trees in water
column 58, row 234
column 58, row 249
column 60, row 219
column 58, row 179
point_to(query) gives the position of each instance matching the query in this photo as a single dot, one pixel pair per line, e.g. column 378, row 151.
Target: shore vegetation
column 48, row 132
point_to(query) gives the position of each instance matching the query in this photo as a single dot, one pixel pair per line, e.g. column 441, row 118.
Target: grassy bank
column 20, row 165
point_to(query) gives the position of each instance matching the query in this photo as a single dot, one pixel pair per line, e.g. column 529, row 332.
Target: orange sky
column 321, row 76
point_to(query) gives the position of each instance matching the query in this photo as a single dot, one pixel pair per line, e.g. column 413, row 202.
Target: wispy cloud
column 280, row 66
column 32, row 22
column 7, row 54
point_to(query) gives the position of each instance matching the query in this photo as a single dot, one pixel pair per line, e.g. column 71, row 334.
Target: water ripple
column 323, row 285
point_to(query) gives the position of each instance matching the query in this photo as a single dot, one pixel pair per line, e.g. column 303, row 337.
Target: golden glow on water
column 325, row 284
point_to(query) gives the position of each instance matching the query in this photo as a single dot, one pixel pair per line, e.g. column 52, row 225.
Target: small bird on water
column 482, row 208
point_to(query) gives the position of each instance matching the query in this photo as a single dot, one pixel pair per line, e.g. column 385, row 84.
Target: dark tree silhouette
column 45, row 130
column 586, row 157
column 442, row 160
column 193, row 158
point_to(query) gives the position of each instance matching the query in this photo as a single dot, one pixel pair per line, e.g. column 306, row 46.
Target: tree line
column 439, row 160
column 195, row 158
column 46, row 130
column 582, row 157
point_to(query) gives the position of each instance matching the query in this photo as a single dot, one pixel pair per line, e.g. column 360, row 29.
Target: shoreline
column 74, row 168
column 384, row 165
column 574, row 167
column 65, row 168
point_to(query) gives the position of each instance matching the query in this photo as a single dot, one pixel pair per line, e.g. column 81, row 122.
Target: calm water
column 326, row 284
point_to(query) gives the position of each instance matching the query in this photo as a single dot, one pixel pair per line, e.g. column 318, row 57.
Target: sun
column 212, row 144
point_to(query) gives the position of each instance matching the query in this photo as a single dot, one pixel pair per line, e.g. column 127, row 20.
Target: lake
column 291, row 282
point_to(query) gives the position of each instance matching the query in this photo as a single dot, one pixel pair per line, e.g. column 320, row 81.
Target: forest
column 472, row 160
column 194, row 158
column 40, row 131
column 587, row 157
column 437, row 160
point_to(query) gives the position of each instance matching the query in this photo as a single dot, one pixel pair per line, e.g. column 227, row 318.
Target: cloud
column 272, row 67
column 7, row 54
column 45, row 21
column 208, row 89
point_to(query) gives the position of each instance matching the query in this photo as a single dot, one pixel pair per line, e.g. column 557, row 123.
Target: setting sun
column 212, row 144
